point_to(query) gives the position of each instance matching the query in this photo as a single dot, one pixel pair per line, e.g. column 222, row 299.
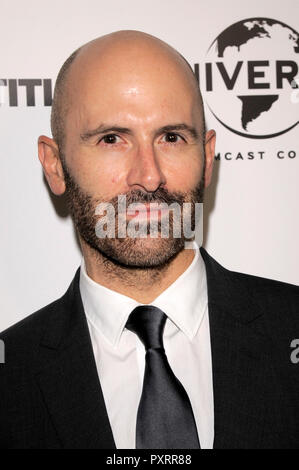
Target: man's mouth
column 145, row 211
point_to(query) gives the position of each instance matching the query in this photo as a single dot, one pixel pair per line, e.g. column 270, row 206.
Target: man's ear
column 48, row 154
column 210, row 155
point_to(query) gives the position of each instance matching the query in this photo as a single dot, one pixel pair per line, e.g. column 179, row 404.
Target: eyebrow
column 103, row 129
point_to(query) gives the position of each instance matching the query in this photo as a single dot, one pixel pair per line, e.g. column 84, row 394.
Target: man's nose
column 145, row 171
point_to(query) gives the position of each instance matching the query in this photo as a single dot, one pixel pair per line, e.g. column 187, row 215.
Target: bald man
column 154, row 345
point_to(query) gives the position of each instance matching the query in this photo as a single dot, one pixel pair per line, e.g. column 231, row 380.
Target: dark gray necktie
column 165, row 418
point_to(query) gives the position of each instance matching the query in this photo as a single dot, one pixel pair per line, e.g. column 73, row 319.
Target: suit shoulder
column 248, row 282
column 22, row 340
column 23, row 337
column 271, row 287
column 278, row 302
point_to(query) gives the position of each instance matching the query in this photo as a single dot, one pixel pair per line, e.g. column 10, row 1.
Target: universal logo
column 25, row 92
column 250, row 78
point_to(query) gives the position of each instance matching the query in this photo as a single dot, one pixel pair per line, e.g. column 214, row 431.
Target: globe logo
column 250, row 75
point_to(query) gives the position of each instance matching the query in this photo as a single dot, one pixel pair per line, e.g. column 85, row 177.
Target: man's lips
column 145, row 210
column 144, row 207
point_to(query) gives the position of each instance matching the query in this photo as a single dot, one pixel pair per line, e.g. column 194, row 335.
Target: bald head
column 119, row 54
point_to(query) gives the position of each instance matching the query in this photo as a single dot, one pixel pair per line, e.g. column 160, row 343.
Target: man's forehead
column 110, row 61
column 115, row 80
column 150, row 107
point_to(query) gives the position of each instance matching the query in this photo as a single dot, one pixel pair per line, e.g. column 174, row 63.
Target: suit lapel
column 240, row 383
column 68, row 378
column 242, row 392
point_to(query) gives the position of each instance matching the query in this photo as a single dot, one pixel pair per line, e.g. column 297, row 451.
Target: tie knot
column 148, row 323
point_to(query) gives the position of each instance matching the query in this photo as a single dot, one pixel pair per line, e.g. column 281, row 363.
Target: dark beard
column 129, row 252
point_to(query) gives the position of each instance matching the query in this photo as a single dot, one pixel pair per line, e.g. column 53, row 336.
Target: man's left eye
column 173, row 138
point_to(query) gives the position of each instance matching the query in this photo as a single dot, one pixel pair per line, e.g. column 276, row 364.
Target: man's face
column 135, row 103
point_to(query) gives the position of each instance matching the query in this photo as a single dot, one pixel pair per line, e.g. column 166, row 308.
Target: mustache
column 159, row 196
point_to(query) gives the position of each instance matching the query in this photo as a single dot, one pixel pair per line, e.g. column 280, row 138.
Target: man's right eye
column 109, row 139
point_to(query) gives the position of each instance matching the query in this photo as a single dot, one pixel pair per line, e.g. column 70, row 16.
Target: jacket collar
column 226, row 290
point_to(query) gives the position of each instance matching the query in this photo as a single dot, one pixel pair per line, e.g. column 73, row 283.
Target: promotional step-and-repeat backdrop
column 245, row 55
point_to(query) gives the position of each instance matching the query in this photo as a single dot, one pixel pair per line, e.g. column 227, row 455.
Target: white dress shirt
column 120, row 355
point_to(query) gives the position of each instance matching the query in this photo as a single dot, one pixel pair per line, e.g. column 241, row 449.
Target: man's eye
column 172, row 137
column 109, row 139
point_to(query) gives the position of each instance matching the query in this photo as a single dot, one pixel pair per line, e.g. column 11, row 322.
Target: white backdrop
column 252, row 222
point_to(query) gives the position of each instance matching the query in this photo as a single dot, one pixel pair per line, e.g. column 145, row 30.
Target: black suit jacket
column 51, row 397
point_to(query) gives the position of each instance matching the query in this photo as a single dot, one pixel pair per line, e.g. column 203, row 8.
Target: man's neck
column 142, row 285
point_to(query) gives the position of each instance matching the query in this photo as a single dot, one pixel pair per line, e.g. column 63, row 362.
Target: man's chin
column 141, row 252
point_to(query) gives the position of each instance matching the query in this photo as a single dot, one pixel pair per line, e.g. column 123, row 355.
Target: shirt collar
column 184, row 302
